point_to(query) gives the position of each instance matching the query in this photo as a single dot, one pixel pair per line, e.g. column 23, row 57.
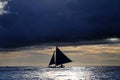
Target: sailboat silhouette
column 58, row 59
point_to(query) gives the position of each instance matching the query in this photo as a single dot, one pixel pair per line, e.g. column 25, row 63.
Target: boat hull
column 56, row 66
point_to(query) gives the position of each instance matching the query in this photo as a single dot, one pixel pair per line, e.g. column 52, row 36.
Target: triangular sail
column 61, row 58
column 52, row 59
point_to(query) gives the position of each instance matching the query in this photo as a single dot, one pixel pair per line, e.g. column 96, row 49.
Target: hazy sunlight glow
column 113, row 39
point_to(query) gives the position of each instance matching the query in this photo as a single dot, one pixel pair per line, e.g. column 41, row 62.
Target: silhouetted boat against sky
column 58, row 59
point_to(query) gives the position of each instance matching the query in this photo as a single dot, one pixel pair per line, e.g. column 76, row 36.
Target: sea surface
column 69, row 73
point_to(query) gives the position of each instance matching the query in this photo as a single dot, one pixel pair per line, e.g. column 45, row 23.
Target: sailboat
column 58, row 59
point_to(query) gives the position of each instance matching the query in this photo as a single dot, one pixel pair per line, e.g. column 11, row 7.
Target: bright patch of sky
column 113, row 39
column 2, row 6
column 104, row 54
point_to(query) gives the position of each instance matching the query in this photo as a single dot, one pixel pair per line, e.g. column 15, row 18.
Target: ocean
column 69, row 73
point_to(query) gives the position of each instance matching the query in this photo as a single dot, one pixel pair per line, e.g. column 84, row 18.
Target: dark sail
column 52, row 59
column 61, row 58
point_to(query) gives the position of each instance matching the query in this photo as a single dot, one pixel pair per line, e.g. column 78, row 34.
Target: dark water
column 70, row 73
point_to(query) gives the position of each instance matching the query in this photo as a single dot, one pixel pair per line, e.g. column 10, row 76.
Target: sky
column 84, row 29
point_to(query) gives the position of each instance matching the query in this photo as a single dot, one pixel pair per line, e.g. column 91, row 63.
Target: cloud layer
column 41, row 21
column 2, row 6
column 97, row 55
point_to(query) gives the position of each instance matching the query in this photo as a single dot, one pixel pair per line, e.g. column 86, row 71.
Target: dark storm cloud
column 40, row 21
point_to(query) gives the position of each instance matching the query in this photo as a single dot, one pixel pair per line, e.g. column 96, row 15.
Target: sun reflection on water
column 75, row 73
column 71, row 73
